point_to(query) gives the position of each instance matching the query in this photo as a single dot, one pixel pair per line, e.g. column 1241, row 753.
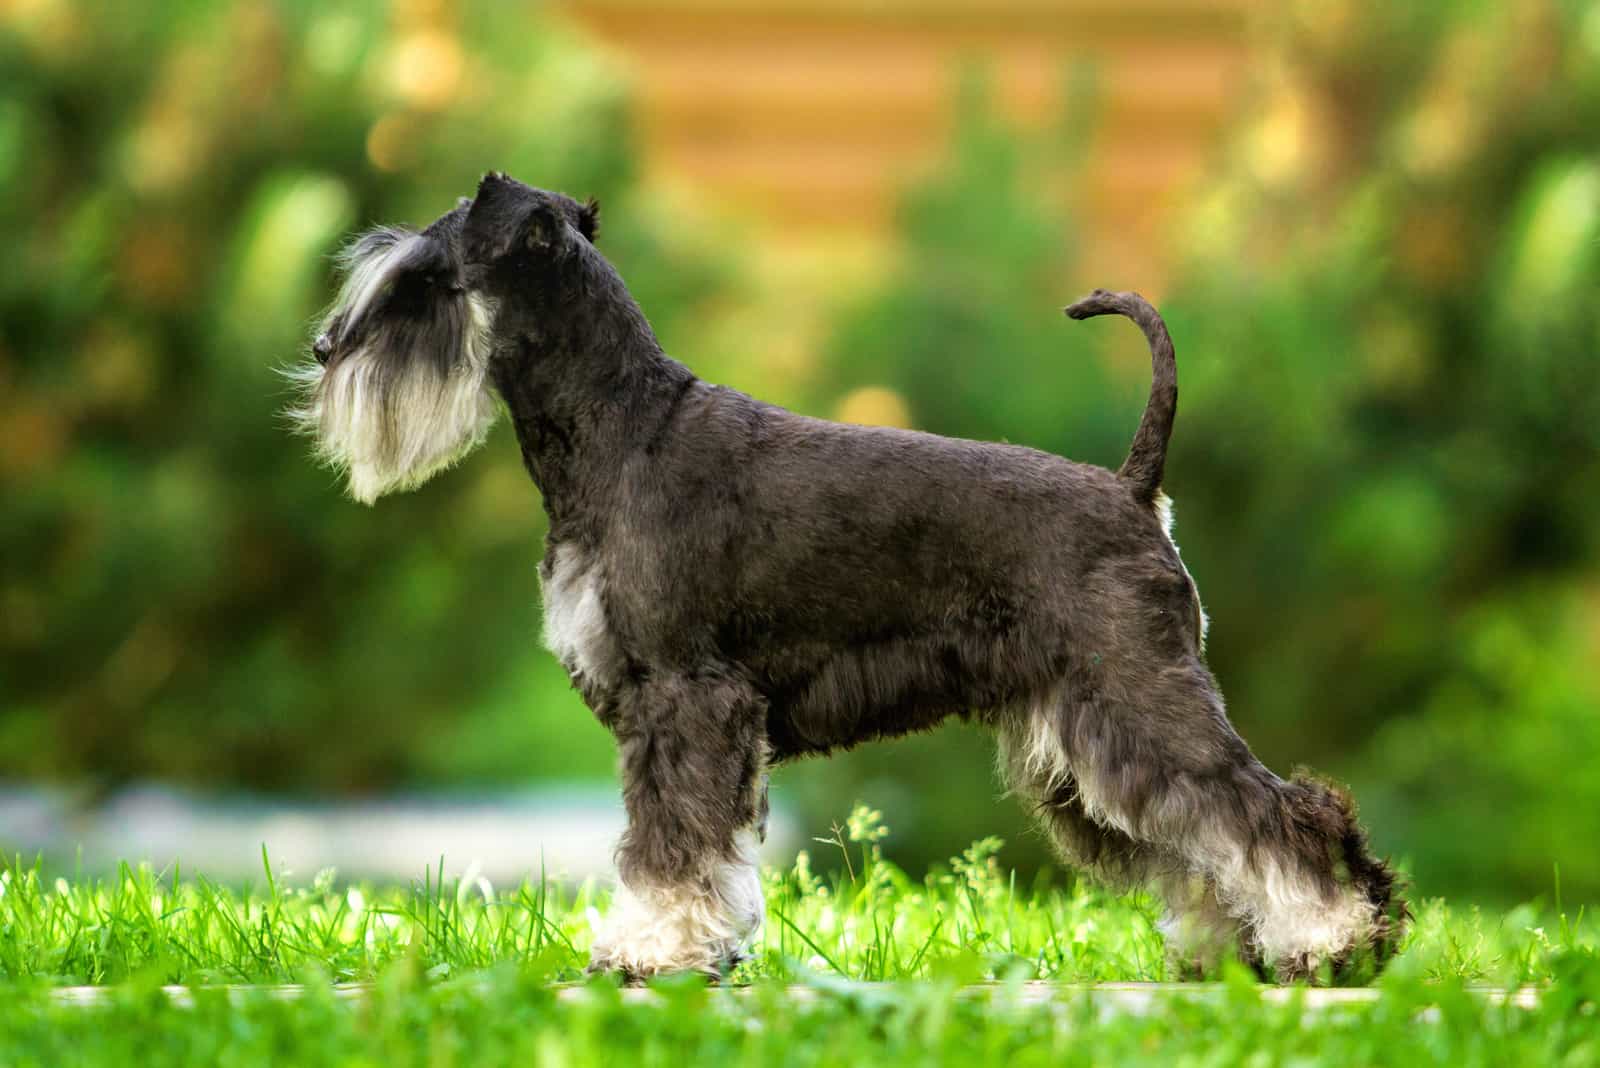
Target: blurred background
column 1374, row 228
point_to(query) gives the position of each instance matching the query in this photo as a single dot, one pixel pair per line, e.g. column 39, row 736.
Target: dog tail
column 1147, row 457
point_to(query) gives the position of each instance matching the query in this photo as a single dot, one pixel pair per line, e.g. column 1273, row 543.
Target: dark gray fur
column 779, row 586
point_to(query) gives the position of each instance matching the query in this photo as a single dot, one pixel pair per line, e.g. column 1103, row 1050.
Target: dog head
column 515, row 229
column 531, row 252
column 396, row 388
column 400, row 384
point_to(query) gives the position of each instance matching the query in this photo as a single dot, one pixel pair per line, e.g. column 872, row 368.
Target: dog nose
column 322, row 348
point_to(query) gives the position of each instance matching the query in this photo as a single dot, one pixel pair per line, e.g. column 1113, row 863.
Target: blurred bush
column 1391, row 438
column 1388, row 446
column 183, row 593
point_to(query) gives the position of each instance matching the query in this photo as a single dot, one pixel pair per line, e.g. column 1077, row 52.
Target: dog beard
column 409, row 397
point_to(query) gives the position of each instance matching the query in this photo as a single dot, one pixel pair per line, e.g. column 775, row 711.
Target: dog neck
column 582, row 400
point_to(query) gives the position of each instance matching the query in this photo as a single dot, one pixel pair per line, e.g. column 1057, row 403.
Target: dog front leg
column 693, row 779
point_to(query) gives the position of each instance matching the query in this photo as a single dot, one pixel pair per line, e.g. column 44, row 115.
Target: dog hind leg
column 1034, row 764
column 1284, row 859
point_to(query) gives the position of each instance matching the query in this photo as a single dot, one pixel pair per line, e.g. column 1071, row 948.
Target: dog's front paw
column 634, row 967
column 638, row 973
column 606, row 962
column 663, row 932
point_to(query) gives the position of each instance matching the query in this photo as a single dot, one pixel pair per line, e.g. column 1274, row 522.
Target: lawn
column 463, row 972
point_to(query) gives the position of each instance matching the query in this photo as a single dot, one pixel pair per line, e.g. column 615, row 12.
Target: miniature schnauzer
column 731, row 585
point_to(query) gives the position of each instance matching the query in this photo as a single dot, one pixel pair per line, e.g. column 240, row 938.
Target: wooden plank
column 1103, row 18
column 1170, row 87
column 774, row 167
column 829, row 49
column 920, row 10
column 915, row 129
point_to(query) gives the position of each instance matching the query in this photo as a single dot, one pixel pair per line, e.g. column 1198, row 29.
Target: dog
column 731, row 585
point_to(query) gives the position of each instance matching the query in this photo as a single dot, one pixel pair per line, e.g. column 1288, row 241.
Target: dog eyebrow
column 370, row 272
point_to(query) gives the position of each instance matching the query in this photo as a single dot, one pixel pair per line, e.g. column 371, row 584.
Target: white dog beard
column 391, row 421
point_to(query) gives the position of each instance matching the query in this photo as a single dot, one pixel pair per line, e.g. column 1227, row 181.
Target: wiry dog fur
column 406, row 397
column 730, row 584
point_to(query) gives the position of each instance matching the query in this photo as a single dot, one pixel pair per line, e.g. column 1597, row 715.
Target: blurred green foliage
column 1388, row 445
column 1385, row 462
column 1394, row 432
column 184, row 594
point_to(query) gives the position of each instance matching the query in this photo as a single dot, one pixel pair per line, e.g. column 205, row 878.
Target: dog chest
column 575, row 626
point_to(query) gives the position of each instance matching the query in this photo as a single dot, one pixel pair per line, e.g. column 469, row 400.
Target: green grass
column 464, row 972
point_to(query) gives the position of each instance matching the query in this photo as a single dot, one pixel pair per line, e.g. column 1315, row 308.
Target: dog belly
column 817, row 734
column 818, row 703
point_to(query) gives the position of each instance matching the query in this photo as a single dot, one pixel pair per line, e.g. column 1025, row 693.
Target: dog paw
column 636, row 972
column 605, row 964
column 701, row 928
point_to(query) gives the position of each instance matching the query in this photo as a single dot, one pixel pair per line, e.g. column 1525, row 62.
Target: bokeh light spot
column 424, row 69
column 874, row 406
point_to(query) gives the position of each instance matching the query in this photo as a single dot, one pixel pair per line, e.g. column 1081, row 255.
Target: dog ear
column 503, row 220
column 589, row 220
column 540, row 229
column 487, row 235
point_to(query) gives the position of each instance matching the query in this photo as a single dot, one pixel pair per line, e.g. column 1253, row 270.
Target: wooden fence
column 811, row 114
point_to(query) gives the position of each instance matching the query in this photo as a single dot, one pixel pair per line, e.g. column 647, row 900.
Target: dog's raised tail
column 1148, row 455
